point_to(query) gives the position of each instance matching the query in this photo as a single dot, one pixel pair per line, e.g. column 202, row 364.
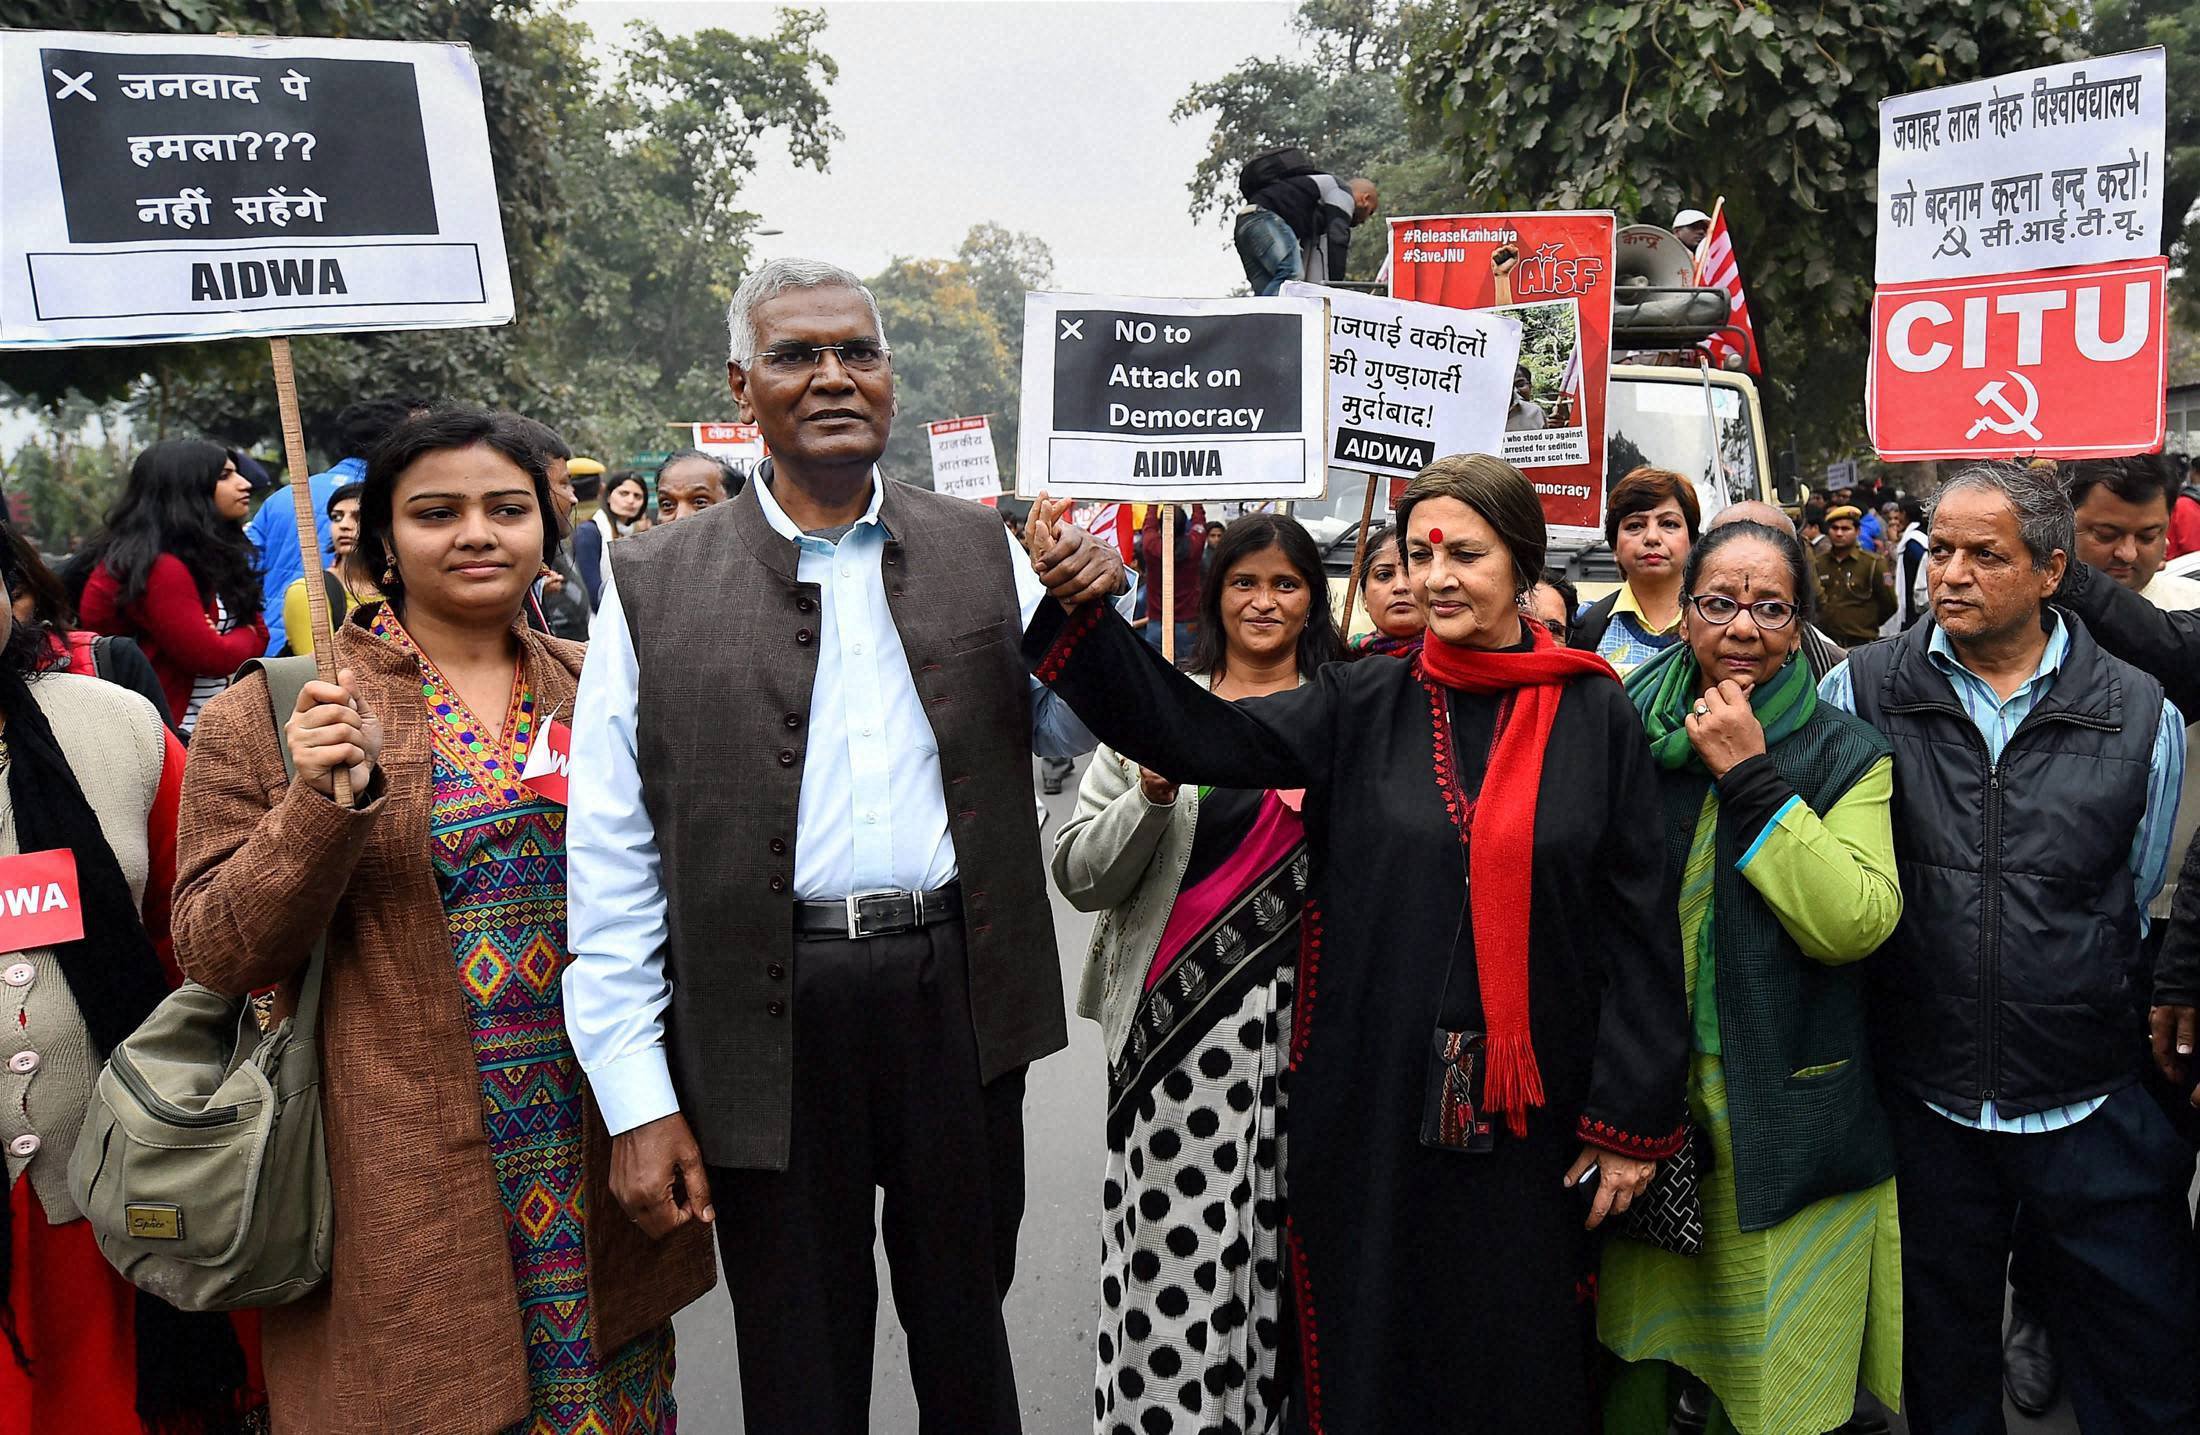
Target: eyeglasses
column 1721, row 610
column 857, row 356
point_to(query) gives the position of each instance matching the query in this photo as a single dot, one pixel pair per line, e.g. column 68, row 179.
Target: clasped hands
column 1076, row 567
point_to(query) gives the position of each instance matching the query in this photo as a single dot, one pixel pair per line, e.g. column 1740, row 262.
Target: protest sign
column 741, row 445
column 166, row 187
column 2068, row 363
column 1157, row 399
column 2042, row 168
column 962, row 458
column 1552, row 271
column 1409, row 382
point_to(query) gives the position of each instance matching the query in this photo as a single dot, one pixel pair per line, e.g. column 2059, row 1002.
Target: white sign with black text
column 178, row 187
column 1173, row 399
column 1409, row 383
column 962, row 458
column 2041, row 169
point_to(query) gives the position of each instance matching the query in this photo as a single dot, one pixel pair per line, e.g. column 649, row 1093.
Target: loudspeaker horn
column 1653, row 256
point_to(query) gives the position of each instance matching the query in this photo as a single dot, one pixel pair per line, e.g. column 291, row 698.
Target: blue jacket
column 274, row 532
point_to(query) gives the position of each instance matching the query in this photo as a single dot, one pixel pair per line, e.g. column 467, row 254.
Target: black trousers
column 886, row 1095
column 2110, row 1237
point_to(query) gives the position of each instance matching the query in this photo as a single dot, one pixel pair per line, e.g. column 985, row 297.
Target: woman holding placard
column 173, row 569
column 482, row 1275
column 1190, row 977
column 92, row 774
column 1489, row 1037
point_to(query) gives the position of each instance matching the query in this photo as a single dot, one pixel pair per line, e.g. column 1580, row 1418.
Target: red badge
column 549, row 761
column 38, row 900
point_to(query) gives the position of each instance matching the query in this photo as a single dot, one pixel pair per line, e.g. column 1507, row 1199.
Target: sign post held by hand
column 169, row 188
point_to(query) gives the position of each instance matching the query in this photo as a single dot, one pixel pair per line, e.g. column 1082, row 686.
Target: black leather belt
column 878, row 914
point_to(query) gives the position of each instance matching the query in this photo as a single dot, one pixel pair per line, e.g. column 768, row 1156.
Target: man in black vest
column 812, row 947
column 2035, row 783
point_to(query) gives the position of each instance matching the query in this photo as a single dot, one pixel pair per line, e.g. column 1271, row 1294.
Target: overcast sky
column 1050, row 116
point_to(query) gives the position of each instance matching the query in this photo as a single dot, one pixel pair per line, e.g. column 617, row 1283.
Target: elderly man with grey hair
column 812, row 952
column 2036, row 779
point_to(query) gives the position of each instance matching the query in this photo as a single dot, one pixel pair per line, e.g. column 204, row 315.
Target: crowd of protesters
column 1676, row 1010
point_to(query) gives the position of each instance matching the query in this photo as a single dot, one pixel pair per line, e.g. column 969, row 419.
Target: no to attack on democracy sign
column 2066, row 363
column 167, row 187
column 1172, row 399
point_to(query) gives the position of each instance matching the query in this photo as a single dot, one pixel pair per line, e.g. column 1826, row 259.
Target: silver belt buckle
column 854, row 901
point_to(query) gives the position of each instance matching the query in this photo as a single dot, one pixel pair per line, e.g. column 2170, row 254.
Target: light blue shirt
column 1997, row 721
column 274, row 532
column 872, row 814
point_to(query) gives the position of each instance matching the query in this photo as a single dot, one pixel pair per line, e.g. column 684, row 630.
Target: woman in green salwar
column 1777, row 817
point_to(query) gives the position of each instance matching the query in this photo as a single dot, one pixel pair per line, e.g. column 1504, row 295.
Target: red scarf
column 1500, row 833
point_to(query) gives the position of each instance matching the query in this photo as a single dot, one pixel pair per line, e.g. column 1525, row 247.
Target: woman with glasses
column 1780, row 844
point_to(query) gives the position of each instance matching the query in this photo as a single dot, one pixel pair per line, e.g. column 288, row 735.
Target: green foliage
column 621, row 200
column 1645, row 107
column 956, row 326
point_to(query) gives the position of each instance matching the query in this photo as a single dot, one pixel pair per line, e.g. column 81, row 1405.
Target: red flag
column 1716, row 268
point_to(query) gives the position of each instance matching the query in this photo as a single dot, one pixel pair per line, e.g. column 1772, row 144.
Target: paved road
column 1054, row 1305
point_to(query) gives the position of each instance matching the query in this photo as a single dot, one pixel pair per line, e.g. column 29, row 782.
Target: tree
column 949, row 360
column 1005, row 265
column 1643, row 107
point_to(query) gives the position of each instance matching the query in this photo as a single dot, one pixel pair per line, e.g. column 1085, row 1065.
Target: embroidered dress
column 499, row 857
column 1191, row 1238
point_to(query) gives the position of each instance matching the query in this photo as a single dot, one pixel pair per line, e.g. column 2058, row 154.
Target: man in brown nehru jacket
column 812, row 948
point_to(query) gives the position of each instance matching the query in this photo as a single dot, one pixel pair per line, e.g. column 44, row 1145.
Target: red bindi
column 1436, row 535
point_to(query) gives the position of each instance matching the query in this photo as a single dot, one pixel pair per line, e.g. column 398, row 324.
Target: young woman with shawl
column 1780, row 842
column 1437, row 1287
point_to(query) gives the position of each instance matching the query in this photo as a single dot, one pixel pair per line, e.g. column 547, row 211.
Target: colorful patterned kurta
column 499, row 856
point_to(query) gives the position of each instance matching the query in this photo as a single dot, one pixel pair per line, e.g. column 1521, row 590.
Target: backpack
column 202, row 1167
column 1270, row 165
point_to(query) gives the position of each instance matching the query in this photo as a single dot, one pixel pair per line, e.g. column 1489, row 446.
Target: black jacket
column 2016, row 975
column 1298, row 200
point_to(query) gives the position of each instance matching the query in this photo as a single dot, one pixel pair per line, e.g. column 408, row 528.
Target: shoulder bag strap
column 286, row 678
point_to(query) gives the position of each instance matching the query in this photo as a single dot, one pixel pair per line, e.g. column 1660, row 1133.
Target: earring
column 389, row 573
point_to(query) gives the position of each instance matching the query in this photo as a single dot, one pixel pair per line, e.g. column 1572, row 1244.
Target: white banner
column 962, row 459
column 1173, row 399
column 1409, row 383
column 2044, row 168
column 168, row 187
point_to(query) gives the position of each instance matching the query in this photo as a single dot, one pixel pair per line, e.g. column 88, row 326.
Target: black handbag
column 1669, row 1212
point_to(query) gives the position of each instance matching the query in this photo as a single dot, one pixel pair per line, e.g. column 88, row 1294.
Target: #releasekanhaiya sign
column 166, row 188
column 2040, row 169
column 1552, row 271
column 1173, row 399
column 1409, row 383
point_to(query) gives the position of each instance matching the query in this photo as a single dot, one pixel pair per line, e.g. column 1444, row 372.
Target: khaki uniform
column 1854, row 596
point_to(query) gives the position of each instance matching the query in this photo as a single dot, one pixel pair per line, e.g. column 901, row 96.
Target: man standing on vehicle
column 1297, row 222
column 1855, row 593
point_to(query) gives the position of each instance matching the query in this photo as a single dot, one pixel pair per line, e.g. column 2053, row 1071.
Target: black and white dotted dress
column 1191, row 1227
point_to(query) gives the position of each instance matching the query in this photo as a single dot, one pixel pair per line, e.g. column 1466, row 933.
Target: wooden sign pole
column 1359, row 556
column 309, row 534
column 1167, row 558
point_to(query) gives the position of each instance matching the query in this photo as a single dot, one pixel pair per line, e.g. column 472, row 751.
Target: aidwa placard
column 170, row 187
column 2065, row 363
column 1552, row 271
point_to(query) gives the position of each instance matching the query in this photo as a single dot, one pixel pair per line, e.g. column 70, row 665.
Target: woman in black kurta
column 1435, row 1290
